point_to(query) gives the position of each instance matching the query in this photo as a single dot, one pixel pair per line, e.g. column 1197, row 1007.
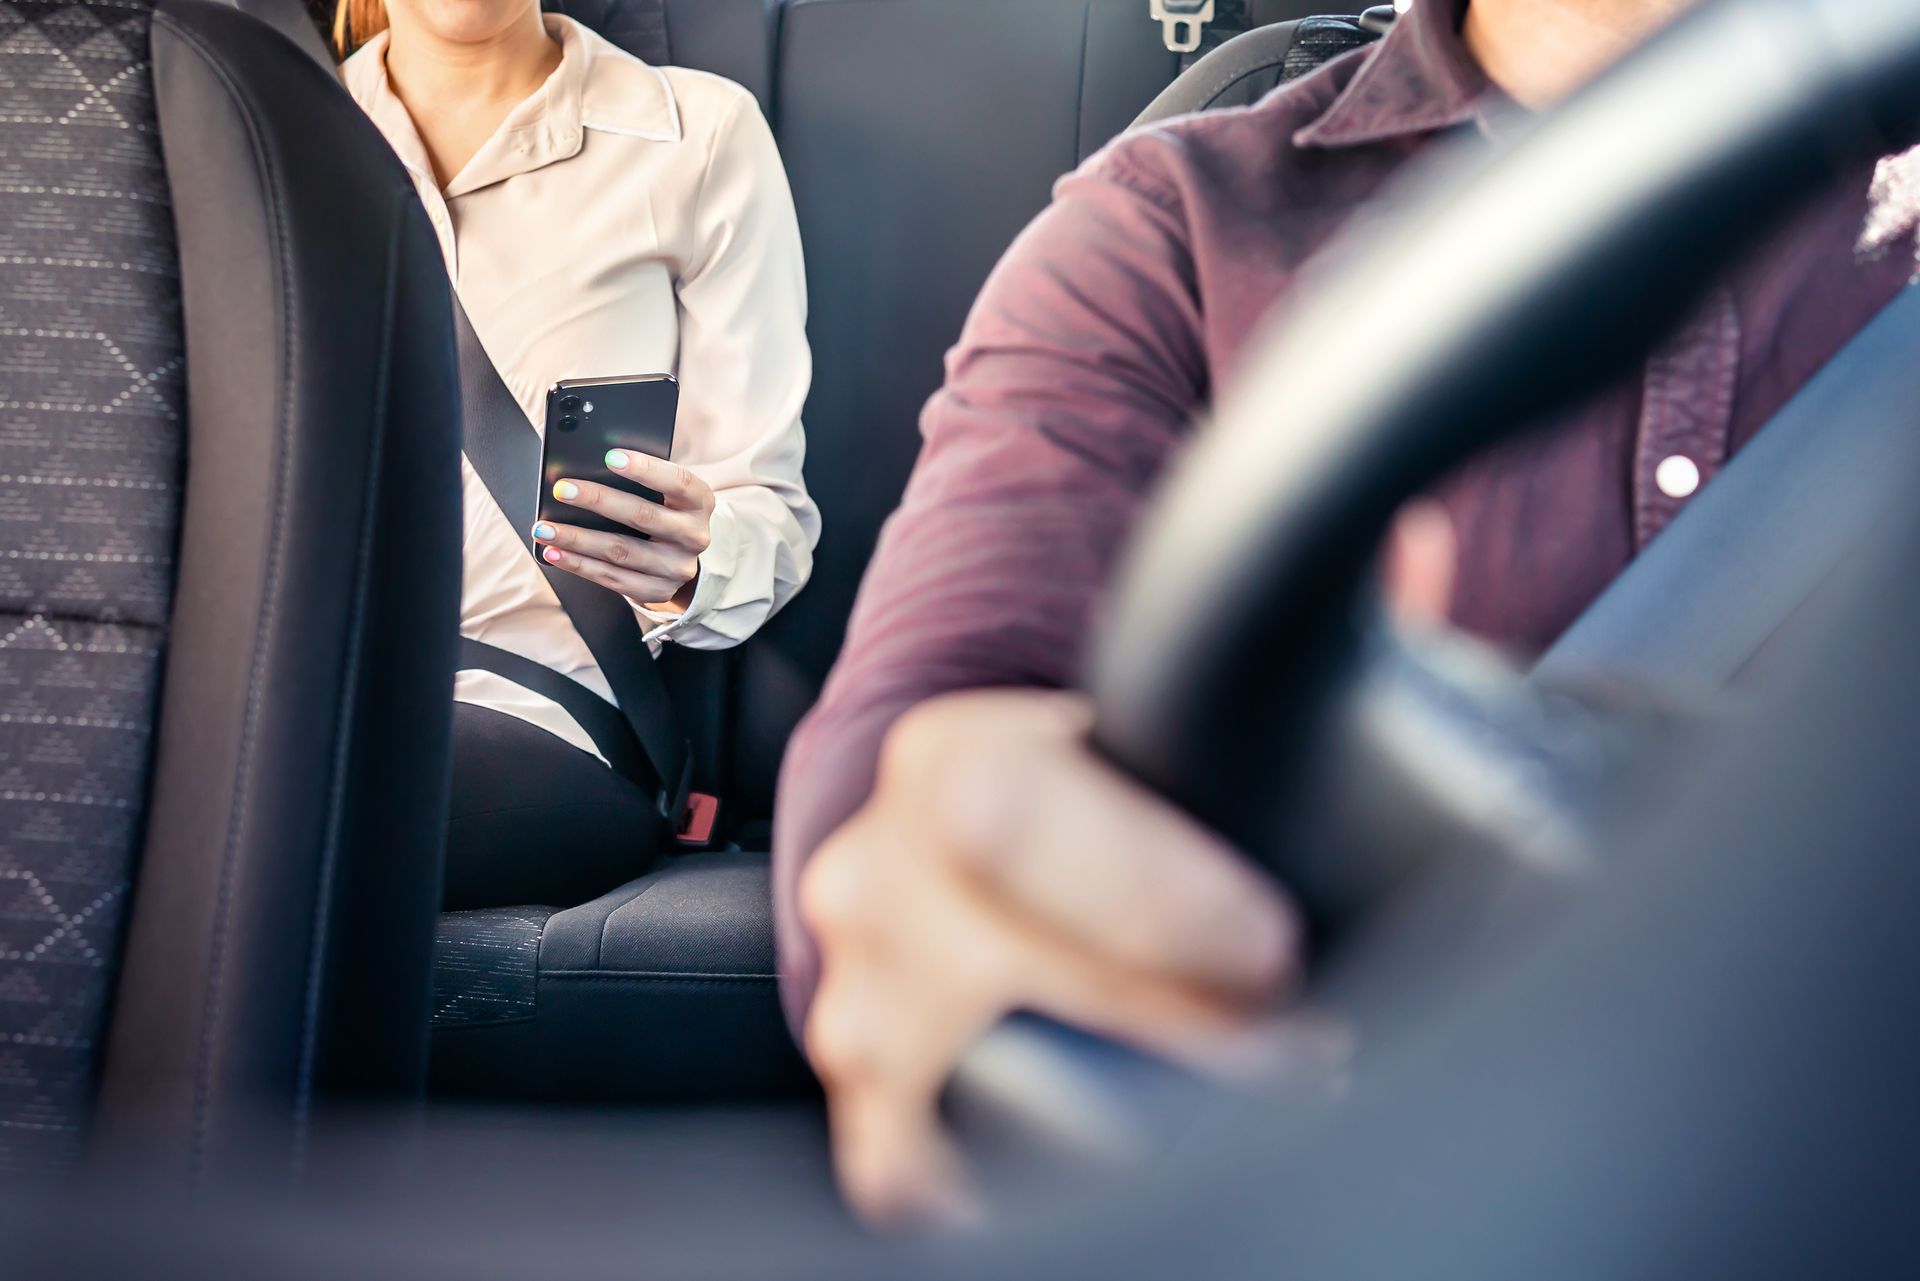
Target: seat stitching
column 600, row 950
column 93, row 620
column 538, row 805
column 648, row 976
column 223, row 897
column 481, row 1025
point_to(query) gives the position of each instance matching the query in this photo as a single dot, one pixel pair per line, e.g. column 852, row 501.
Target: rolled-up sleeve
column 744, row 370
column 1077, row 373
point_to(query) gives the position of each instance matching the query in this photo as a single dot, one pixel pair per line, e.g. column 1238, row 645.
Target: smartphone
column 588, row 416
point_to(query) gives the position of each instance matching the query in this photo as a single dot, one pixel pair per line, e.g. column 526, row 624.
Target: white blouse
column 628, row 219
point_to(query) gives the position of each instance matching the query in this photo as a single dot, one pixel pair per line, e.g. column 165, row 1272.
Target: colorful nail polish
column 566, row 491
column 543, row 531
column 617, row 459
column 552, row 555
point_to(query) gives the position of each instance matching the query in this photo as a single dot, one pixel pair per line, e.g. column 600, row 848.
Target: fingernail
column 566, row 491
column 552, row 555
column 617, row 459
column 543, row 531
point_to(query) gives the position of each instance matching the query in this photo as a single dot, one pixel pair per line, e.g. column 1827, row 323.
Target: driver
column 948, row 847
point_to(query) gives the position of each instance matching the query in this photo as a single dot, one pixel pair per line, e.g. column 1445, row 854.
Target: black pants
column 536, row 820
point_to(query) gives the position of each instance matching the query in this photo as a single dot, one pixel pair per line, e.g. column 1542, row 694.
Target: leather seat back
column 920, row 136
column 731, row 38
column 229, row 551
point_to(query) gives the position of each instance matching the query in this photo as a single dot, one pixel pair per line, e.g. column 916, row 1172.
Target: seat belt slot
column 1183, row 23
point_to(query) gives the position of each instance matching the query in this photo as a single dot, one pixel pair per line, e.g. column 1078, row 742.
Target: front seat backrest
column 228, row 589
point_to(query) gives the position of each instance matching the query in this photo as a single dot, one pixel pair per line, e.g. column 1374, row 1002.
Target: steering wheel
column 1494, row 292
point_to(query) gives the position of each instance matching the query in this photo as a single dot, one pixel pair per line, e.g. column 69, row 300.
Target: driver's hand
column 998, row 866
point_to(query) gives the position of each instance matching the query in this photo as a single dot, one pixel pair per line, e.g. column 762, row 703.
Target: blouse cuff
column 717, row 565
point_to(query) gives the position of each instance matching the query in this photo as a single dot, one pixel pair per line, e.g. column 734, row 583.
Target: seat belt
column 641, row 737
column 1763, row 537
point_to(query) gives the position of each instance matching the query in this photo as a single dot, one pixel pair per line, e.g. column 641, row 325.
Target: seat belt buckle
column 675, row 796
column 692, row 815
column 698, row 820
column 1183, row 23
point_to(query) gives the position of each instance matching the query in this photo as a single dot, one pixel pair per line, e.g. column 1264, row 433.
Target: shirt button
column 1677, row 476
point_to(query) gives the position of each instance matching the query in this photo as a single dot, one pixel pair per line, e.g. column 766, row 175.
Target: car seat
column 227, row 584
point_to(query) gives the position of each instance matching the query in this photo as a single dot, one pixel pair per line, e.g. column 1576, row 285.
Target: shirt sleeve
column 744, row 370
column 1076, row 375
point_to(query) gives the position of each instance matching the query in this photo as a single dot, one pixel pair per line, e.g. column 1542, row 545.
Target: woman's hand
column 658, row 571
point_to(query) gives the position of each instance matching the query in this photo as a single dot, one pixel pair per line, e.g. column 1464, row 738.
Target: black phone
column 588, row 416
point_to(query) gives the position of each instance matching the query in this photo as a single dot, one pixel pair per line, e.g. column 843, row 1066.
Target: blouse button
column 1677, row 476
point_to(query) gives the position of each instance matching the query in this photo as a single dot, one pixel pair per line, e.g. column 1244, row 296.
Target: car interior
column 663, row 990
column 223, row 745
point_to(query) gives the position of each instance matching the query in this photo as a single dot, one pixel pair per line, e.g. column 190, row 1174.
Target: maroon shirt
column 1115, row 315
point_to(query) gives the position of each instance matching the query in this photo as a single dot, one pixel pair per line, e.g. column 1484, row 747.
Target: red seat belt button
column 703, row 811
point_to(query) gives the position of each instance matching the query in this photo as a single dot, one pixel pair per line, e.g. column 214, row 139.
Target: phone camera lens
column 570, row 403
column 568, row 422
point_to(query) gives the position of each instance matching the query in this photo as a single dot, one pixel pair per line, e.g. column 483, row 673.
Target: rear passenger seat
column 919, row 136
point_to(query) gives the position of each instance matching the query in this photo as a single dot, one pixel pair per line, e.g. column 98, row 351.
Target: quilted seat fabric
column 487, row 966
column 91, row 407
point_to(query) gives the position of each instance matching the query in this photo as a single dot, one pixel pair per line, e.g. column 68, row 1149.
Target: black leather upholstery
column 920, row 136
column 278, row 949
column 663, row 990
column 638, row 26
column 731, row 38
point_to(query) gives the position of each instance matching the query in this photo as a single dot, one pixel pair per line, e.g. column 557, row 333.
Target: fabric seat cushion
column 90, row 488
column 662, row 991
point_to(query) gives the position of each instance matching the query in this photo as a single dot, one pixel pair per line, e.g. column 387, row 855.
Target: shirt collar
column 596, row 86
column 1419, row 79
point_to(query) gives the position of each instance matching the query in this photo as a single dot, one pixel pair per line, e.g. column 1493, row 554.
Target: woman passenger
column 599, row 217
